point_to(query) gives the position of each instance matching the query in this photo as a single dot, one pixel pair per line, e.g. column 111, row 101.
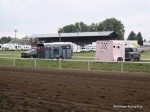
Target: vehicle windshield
column 129, row 50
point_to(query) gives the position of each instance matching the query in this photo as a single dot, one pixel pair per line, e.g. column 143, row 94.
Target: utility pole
column 15, row 33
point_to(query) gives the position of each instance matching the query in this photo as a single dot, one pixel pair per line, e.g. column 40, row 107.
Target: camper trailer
column 25, row 47
column 109, row 51
column 91, row 47
column 14, row 46
column 76, row 48
column 54, row 50
column 10, row 46
column 128, row 43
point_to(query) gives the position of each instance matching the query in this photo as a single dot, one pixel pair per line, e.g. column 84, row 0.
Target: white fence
column 78, row 64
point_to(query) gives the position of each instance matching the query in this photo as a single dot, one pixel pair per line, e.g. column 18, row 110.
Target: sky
column 47, row 16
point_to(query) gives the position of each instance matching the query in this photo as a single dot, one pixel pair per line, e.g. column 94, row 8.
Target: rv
column 76, row 48
column 55, row 50
column 25, row 47
column 91, row 47
column 10, row 46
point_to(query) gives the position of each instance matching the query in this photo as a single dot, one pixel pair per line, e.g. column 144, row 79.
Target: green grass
column 77, row 56
column 105, row 66
column 12, row 54
column 145, row 55
column 6, row 61
column 82, row 65
column 47, row 63
column 27, row 63
column 86, row 54
column 98, row 66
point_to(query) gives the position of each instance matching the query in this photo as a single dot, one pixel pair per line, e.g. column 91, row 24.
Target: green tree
column 4, row 40
column 131, row 36
column 67, row 29
column 92, row 27
column 81, row 27
column 77, row 27
column 139, row 38
column 112, row 24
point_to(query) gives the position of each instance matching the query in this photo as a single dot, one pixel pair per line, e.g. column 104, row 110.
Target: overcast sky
column 46, row 16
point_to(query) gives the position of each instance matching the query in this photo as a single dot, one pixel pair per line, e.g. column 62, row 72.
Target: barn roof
column 77, row 34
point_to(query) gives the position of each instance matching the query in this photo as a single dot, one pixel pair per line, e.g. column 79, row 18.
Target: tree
column 92, row 27
column 112, row 24
column 81, row 27
column 139, row 38
column 67, row 29
column 131, row 36
column 77, row 27
column 4, row 40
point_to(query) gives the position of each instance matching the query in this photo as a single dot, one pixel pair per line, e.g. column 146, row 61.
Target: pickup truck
column 29, row 54
column 132, row 54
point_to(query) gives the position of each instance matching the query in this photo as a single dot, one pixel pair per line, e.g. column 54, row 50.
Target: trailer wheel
column 119, row 59
column 61, row 57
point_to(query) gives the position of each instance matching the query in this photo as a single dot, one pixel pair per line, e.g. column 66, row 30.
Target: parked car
column 132, row 53
column 29, row 54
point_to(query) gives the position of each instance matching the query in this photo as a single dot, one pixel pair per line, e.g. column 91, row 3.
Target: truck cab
column 131, row 53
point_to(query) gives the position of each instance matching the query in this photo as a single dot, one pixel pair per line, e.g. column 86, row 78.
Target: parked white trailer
column 109, row 51
column 25, row 47
column 91, row 47
column 10, row 46
column 76, row 48
column 128, row 43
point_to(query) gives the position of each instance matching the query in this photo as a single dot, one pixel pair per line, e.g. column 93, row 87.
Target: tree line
column 4, row 40
column 25, row 40
column 138, row 37
column 110, row 24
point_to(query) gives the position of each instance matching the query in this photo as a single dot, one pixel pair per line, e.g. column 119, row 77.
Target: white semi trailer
column 116, row 51
column 109, row 51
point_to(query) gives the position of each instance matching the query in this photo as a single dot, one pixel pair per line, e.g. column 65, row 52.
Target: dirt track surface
column 53, row 90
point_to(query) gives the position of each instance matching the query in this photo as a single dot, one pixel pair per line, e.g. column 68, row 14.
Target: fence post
column 88, row 65
column 14, row 62
column 35, row 63
column 122, row 66
column 59, row 63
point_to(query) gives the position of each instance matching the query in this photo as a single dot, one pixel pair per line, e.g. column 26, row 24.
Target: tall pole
column 59, row 37
column 15, row 33
column 59, row 33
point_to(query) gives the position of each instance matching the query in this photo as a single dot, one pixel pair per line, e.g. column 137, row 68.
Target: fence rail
column 78, row 64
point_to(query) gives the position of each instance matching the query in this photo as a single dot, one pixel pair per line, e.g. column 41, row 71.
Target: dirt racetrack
column 52, row 90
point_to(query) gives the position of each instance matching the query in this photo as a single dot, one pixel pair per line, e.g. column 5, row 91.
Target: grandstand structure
column 79, row 38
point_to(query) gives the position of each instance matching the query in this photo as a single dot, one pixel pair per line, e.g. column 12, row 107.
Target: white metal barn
column 109, row 51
